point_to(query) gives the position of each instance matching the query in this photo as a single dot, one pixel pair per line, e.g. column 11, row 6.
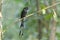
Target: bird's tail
column 21, row 27
column 22, row 24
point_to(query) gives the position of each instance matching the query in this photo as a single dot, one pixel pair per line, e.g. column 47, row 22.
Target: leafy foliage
column 11, row 10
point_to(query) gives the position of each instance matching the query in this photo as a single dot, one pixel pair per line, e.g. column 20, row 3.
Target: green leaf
column 48, row 16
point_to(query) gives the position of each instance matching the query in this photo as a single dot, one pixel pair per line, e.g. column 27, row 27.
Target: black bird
column 23, row 14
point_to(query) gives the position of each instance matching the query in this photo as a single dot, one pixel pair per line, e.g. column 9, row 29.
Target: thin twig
column 40, row 10
column 17, row 20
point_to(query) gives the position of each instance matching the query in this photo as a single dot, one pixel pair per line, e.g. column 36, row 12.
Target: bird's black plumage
column 23, row 14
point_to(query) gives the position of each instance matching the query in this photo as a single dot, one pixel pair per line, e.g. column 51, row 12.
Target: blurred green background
column 11, row 9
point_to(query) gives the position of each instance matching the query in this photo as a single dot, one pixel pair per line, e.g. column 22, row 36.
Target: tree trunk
column 53, row 27
column 39, row 20
column 0, row 20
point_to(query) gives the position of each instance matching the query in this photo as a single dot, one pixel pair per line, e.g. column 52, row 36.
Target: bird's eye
column 26, row 9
